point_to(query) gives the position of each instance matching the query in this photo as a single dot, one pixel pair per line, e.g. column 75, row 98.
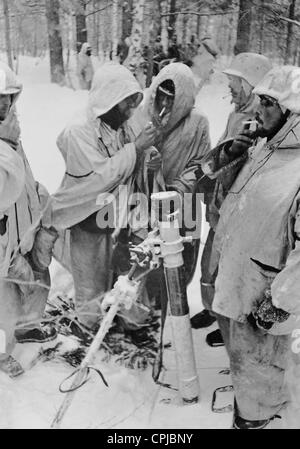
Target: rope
column 86, row 372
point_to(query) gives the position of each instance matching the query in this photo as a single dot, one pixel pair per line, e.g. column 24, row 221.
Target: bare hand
column 146, row 138
column 242, row 142
column 155, row 162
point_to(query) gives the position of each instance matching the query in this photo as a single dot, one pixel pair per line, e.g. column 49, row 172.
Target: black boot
column 36, row 335
column 202, row 319
column 240, row 423
column 215, row 338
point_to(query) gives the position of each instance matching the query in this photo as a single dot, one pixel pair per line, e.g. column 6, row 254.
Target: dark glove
column 121, row 258
column 267, row 314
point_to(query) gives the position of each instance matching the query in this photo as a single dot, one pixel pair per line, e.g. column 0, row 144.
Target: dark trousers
column 207, row 280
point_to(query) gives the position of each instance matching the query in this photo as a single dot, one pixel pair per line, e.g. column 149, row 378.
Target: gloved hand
column 267, row 314
column 121, row 258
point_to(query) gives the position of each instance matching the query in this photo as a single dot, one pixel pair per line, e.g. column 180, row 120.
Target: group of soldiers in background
column 176, row 52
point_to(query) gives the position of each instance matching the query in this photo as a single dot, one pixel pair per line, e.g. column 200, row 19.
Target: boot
column 37, row 335
column 202, row 319
column 240, row 423
column 215, row 338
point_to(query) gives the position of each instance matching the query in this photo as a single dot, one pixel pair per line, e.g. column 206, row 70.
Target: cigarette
column 250, row 122
column 162, row 112
column 253, row 124
column 226, row 96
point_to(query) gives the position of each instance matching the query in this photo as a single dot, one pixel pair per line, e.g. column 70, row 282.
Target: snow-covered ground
column 132, row 399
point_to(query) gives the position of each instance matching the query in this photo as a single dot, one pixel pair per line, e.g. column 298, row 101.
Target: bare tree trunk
column 135, row 57
column 155, row 27
column 261, row 29
column 289, row 40
column 244, row 27
column 127, row 13
column 81, row 29
column 164, row 26
column 97, row 33
column 7, row 33
column 185, row 20
column 137, row 27
column 150, row 54
column 55, row 42
column 198, row 27
column 95, row 28
column 114, row 28
column 172, row 19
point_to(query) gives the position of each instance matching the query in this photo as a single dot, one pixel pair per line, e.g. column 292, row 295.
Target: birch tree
column 172, row 18
column 134, row 58
column 289, row 40
column 244, row 27
column 7, row 33
column 115, row 26
column 81, row 28
column 55, row 42
column 164, row 25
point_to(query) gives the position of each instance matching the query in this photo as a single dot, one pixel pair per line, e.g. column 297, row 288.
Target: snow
column 132, row 400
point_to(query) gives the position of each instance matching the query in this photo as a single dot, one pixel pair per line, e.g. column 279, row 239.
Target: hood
column 10, row 129
column 9, row 85
column 112, row 83
column 84, row 48
column 185, row 92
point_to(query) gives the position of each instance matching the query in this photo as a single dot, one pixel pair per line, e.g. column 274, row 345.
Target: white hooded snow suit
column 98, row 160
column 184, row 140
column 20, row 216
column 256, row 247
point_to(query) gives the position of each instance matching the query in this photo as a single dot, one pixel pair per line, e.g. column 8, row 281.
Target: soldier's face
column 164, row 102
column 5, row 105
column 269, row 116
column 127, row 106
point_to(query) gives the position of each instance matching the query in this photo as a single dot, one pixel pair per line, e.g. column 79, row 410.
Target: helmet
column 210, row 46
column 251, row 67
column 283, row 84
column 9, row 85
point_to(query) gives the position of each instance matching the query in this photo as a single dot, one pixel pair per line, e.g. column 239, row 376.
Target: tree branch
column 285, row 19
column 98, row 10
column 195, row 13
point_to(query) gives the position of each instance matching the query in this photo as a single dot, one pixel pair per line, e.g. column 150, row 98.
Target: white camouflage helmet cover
column 9, row 84
column 283, row 84
column 251, row 67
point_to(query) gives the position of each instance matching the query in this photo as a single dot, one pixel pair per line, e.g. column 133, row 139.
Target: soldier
column 245, row 71
column 25, row 244
column 256, row 248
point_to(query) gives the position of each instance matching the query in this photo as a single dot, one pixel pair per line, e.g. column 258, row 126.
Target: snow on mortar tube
column 171, row 249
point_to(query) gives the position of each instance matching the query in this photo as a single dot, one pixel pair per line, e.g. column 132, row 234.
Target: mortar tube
column 172, row 247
